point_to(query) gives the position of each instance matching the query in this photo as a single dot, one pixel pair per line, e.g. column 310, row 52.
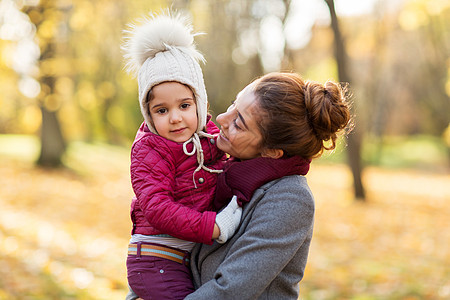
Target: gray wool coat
column 266, row 257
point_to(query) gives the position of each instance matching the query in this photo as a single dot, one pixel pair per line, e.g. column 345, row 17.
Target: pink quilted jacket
column 166, row 200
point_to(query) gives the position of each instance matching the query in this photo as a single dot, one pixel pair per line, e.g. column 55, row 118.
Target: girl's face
column 173, row 111
column 239, row 135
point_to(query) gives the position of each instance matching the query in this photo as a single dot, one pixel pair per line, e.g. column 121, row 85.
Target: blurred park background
column 68, row 115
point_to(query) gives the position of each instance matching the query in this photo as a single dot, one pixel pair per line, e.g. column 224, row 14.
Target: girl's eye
column 161, row 111
column 185, row 105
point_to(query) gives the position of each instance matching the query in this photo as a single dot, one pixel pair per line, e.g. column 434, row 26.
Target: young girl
column 174, row 161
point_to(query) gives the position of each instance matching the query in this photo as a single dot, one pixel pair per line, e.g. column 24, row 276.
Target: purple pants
column 158, row 278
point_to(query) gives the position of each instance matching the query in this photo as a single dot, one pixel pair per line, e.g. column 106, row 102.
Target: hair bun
column 327, row 109
column 158, row 33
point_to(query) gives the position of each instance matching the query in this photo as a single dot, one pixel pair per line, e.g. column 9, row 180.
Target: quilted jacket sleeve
column 153, row 179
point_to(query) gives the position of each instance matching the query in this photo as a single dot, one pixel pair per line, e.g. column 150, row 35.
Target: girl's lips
column 176, row 131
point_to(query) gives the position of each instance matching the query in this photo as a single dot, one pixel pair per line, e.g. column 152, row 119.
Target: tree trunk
column 53, row 145
column 354, row 138
column 52, row 142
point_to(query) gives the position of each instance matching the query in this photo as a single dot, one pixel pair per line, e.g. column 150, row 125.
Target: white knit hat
column 162, row 49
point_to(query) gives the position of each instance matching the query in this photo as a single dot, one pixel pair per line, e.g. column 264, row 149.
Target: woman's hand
column 227, row 221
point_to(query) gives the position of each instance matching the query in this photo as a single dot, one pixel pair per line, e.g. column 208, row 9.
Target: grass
column 63, row 232
column 418, row 152
column 426, row 153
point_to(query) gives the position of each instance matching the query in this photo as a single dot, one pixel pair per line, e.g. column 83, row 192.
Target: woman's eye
column 236, row 125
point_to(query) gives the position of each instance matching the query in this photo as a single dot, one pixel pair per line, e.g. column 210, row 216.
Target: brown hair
column 300, row 117
column 150, row 94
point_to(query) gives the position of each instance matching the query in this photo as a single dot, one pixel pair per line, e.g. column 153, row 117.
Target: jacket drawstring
column 195, row 139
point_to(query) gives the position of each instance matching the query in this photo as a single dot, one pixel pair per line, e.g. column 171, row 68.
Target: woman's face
column 239, row 135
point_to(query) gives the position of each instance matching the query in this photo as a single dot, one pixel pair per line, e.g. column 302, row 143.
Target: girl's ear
column 272, row 153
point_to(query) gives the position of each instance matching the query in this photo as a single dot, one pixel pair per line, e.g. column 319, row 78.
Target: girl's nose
column 175, row 117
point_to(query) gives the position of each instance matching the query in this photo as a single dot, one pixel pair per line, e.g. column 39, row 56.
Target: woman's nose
column 222, row 119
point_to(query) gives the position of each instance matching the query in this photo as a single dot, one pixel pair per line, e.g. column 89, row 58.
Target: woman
column 275, row 127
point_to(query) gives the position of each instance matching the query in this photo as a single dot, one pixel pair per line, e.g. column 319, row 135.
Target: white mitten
column 228, row 220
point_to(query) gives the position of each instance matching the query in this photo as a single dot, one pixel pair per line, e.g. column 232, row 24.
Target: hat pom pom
column 158, row 33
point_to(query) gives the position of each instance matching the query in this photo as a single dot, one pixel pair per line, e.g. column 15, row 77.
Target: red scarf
column 242, row 178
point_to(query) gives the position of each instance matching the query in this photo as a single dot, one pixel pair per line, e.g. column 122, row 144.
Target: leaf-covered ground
column 63, row 233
